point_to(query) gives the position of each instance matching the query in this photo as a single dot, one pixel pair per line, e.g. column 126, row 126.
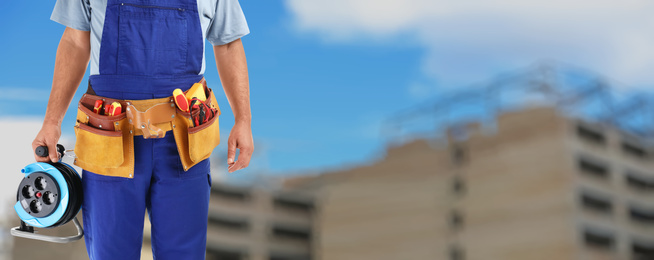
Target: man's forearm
column 233, row 71
column 70, row 65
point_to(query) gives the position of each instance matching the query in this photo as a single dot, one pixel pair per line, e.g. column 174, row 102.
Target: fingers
column 231, row 152
column 52, row 150
column 48, row 138
column 240, row 138
column 245, row 154
column 36, row 143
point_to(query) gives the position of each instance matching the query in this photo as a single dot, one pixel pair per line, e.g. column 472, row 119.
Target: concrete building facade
column 538, row 186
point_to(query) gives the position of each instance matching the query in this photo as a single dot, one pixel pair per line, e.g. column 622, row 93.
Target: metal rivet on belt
column 142, row 126
column 172, row 105
column 100, row 126
column 130, row 121
column 130, row 175
column 130, row 131
column 173, row 116
column 128, row 103
column 128, row 107
column 173, row 126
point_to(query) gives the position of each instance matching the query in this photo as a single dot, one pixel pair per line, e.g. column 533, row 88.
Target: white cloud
column 467, row 41
column 24, row 94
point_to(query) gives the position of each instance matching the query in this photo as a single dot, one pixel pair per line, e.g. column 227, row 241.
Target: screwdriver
column 115, row 109
column 107, row 109
column 98, row 106
column 180, row 100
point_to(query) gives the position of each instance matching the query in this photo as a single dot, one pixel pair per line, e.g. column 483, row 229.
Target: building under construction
column 539, row 164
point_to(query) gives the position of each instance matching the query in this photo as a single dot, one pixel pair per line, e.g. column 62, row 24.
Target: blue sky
column 325, row 74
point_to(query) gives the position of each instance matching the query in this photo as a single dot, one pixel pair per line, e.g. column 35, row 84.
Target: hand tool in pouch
column 97, row 108
column 115, row 109
column 180, row 100
column 196, row 91
column 50, row 195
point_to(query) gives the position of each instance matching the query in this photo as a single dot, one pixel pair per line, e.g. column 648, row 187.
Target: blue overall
column 149, row 48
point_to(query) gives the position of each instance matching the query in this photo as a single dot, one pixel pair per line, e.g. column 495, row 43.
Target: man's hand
column 240, row 138
column 48, row 136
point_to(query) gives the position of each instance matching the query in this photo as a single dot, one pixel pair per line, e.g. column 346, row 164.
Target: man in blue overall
column 139, row 50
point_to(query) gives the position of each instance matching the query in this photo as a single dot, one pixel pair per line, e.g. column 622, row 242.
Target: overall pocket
column 152, row 40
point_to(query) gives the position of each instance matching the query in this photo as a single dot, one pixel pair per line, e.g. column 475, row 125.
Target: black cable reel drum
column 50, row 195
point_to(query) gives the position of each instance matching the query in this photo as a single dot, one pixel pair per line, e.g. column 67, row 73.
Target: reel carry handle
column 42, row 151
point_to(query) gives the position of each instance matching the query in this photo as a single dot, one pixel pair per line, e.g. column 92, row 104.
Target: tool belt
column 105, row 144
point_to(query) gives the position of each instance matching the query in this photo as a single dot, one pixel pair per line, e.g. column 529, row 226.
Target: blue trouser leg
column 179, row 204
column 114, row 208
column 177, row 201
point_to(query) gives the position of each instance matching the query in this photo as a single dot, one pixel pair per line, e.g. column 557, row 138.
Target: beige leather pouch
column 195, row 144
column 104, row 145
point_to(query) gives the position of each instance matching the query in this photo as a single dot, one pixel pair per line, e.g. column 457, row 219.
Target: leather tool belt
column 105, row 144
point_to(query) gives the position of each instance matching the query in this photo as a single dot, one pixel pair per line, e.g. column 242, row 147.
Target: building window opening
column 456, row 220
column 591, row 135
column 224, row 254
column 297, row 233
column 596, row 203
column 288, row 256
column 457, row 253
column 459, row 155
column 634, row 150
column 642, row 251
column 641, row 215
column 593, row 168
column 640, row 182
column 293, row 204
column 230, row 194
column 600, row 240
column 458, row 185
column 228, row 222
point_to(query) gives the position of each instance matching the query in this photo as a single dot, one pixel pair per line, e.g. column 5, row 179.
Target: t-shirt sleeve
column 228, row 23
column 75, row 14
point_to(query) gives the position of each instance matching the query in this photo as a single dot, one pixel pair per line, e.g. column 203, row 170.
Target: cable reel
column 50, row 195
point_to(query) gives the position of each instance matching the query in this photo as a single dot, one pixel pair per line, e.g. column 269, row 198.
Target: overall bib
column 148, row 49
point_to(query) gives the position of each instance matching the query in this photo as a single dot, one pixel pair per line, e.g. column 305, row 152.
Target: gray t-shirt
column 222, row 22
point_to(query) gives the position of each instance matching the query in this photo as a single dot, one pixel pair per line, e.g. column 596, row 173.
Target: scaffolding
column 573, row 91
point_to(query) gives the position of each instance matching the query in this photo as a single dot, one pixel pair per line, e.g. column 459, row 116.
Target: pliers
column 205, row 113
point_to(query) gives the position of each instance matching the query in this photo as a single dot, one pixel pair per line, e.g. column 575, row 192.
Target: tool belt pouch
column 104, row 144
column 195, row 143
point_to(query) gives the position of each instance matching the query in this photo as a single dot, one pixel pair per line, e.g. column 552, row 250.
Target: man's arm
column 233, row 71
column 72, row 59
